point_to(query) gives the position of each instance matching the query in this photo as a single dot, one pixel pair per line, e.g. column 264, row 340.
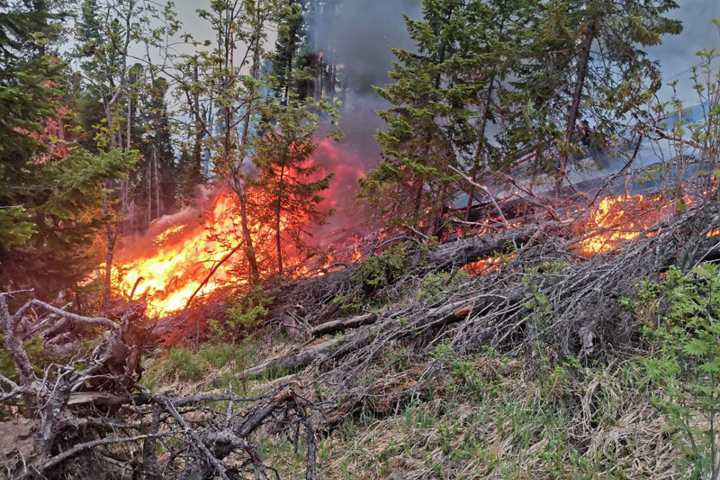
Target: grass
column 487, row 418
column 565, row 422
column 190, row 365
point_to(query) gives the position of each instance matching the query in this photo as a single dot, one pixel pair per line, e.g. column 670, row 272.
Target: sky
column 676, row 54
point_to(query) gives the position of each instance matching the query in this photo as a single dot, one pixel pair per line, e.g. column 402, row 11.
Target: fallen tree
column 80, row 410
column 548, row 302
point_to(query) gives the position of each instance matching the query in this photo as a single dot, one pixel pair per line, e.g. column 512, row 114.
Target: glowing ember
column 487, row 264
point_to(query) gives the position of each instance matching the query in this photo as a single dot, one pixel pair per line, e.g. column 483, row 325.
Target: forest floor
column 486, row 416
column 509, row 354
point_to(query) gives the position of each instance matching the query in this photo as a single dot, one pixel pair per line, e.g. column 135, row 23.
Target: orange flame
column 617, row 220
column 488, row 264
column 182, row 258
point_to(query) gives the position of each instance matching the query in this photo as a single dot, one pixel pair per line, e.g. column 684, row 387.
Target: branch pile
column 547, row 302
column 92, row 415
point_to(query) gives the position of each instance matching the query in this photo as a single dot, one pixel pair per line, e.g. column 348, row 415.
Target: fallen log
column 343, row 324
column 296, row 359
column 421, row 320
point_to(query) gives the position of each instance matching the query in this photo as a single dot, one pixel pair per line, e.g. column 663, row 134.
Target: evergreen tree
column 290, row 182
column 49, row 207
column 429, row 123
column 155, row 181
column 585, row 61
column 291, row 36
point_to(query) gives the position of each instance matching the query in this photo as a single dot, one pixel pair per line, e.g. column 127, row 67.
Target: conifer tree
column 585, row 62
column 287, row 57
column 429, row 123
column 49, row 207
column 290, row 182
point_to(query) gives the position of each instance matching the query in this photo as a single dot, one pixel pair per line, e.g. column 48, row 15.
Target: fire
column 172, row 267
column 163, row 236
column 488, row 264
column 617, row 220
column 181, row 259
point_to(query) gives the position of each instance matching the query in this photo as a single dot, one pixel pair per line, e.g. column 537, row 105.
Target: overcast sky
column 676, row 54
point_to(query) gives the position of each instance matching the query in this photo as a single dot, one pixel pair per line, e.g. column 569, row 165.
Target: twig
column 487, row 192
column 58, row 459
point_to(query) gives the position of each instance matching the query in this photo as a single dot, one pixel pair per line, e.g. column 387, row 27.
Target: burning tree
column 223, row 100
column 290, row 182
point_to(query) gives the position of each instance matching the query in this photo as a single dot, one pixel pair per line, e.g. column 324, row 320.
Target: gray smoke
column 676, row 54
column 360, row 36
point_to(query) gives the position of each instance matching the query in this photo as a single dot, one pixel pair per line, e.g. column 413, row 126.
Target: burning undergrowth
column 410, row 327
column 200, row 250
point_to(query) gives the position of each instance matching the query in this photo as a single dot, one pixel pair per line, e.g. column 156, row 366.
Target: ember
column 488, row 264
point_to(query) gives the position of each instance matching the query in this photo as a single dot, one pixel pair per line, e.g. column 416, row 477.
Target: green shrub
column 687, row 365
column 374, row 274
column 220, row 354
column 381, row 270
column 244, row 315
column 436, row 287
column 39, row 357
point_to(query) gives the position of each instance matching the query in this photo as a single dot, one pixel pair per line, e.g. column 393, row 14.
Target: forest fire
column 192, row 259
column 488, row 264
column 619, row 219
column 187, row 257
column 179, row 260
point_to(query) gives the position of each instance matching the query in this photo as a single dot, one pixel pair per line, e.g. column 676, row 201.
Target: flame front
column 182, row 257
column 617, row 220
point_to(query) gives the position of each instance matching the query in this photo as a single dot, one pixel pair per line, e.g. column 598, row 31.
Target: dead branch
column 297, row 359
column 483, row 189
column 58, row 459
column 344, row 324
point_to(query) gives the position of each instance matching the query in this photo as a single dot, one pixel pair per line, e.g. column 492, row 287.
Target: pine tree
column 155, row 180
column 493, row 44
column 429, row 122
column 49, row 207
column 291, row 184
column 585, row 61
column 291, row 37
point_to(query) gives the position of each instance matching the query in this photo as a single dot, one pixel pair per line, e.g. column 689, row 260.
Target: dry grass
column 491, row 418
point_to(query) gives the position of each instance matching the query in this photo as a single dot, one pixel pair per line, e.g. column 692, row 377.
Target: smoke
column 356, row 37
column 676, row 53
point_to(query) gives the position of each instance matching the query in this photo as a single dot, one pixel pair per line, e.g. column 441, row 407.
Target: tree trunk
column 247, row 236
column 111, row 235
column 418, row 198
column 149, row 198
column 480, row 148
column 158, row 208
column 239, row 188
column 278, row 217
column 577, row 97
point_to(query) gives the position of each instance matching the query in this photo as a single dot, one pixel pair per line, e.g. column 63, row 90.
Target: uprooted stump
column 74, row 419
